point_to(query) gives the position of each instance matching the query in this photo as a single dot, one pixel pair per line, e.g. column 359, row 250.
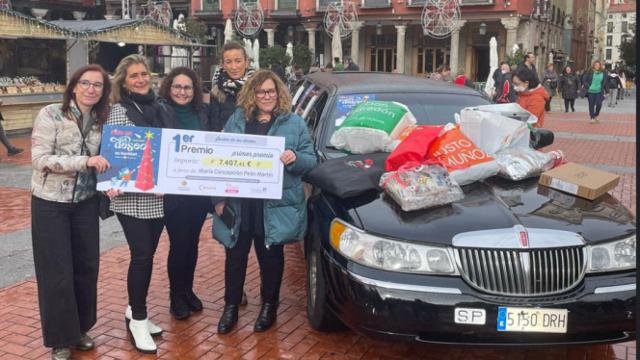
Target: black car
column 513, row 263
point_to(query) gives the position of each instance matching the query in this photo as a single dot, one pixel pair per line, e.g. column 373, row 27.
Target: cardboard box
column 580, row 180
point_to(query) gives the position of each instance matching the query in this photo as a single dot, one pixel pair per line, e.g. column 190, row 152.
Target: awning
column 14, row 25
column 144, row 32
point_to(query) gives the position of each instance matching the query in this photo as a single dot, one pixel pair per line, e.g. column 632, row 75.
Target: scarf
column 141, row 109
column 229, row 86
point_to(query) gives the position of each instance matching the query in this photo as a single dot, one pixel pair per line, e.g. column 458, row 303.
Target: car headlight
column 387, row 254
column 613, row 256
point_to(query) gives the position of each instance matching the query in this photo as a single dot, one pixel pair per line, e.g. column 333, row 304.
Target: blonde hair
column 247, row 96
column 121, row 73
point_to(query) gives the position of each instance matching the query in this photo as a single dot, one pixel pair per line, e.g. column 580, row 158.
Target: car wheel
column 320, row 317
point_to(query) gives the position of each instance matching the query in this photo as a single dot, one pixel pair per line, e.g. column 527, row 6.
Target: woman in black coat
column 184, row 214
column 227, row 83
column 569, row 85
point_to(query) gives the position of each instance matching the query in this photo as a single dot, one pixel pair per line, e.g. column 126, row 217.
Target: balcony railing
column 476, row 2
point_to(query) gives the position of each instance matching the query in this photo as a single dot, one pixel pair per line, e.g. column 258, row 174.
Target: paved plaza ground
column 610, row 145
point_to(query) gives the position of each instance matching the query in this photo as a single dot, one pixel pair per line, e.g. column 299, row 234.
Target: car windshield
column 428, row 108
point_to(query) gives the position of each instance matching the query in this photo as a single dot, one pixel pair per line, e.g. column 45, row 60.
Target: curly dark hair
column 101, row 108
column 165, row 88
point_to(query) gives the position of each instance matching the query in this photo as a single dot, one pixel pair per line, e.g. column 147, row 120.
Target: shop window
column 383, row 59
column 610, row 27
column 430, row 58
column 608, row 55
column 609, row 40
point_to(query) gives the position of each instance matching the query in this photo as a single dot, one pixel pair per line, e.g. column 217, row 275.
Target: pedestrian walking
column 569, row 85
column 227, row 83
column 504, row 89
column 264, row 108
column 550, row 84
column 531, row 95
column 184, row 214
column 140, row 215
column 623, row 79
column 64, row 210
column 4, row 139
column 462, row 79
column 615, row 88
column 595, row 87
column 529, row 63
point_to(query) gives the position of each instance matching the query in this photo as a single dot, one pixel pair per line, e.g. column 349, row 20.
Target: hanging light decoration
column 439, row 17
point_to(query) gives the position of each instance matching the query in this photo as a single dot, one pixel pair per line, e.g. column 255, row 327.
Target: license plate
column 532, row 319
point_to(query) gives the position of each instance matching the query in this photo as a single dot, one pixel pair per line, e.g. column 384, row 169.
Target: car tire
column 318, row 313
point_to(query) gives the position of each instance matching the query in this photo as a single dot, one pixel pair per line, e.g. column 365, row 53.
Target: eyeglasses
column 85, row 84
column 178, row 88
column 263, row 93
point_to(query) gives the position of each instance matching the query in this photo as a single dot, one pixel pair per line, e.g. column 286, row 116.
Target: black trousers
column 4, row 139
column 184, row 220
column 547, row 104
column 569, row 104
column 142, row 236
column 66, row 252
column 271, row 263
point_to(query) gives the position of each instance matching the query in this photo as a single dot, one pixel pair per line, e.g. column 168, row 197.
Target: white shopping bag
column 497, row 127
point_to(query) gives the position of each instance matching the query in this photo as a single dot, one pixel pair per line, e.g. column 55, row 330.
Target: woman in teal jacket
column 264, row 107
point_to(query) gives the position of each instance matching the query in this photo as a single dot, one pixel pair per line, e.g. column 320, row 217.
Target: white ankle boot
column 154, row 329
column 141, row 338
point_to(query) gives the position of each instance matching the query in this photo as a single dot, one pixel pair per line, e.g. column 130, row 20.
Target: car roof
column 367, row 82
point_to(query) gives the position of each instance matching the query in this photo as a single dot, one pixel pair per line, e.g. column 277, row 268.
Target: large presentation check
column 171, row 161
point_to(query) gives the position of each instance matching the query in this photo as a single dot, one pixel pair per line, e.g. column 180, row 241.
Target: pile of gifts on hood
column 427, row 164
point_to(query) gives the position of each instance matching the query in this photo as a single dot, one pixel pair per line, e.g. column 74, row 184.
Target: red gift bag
column 414, row 147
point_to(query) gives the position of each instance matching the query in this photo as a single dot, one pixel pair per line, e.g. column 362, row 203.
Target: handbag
column 348, row 176
column 103, row 208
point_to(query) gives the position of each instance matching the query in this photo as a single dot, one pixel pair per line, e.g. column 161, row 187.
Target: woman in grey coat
column 569, row 85
column 550, row 83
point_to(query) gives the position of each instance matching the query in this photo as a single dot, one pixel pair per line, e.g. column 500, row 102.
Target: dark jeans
column 142, row 236
column 271, row 263
column 184, row 222
column 595, row 104
column 569, row 103
column 4, row 139
column 547, row 104
column 66, row 251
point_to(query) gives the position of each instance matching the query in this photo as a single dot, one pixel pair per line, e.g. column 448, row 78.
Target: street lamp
column 482, row 30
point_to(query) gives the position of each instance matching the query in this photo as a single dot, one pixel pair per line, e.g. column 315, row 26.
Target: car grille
column 522, row 272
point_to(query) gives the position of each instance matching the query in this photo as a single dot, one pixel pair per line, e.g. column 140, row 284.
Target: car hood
column 494, row 204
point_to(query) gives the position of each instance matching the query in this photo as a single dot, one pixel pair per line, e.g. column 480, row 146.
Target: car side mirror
column 540, row 138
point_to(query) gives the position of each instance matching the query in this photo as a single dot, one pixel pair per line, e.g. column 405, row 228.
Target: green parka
column 285, row 220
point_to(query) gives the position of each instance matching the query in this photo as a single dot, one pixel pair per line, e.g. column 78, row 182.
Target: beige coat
column 59, row 164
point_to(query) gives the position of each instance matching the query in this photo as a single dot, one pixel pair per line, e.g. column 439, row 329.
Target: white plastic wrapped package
column 496, row 127
column 521, row 163
column 421, row 187
column 372, row 127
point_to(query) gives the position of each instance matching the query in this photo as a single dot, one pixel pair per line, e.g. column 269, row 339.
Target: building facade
column 621, row 22
column 389, row 34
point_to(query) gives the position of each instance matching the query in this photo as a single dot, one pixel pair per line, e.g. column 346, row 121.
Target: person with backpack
column 504, row 88
column 569, row 85
column 615, row 87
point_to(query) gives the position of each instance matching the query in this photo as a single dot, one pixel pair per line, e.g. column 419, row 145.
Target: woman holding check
column 264, row 108
column 140, row 215
column 64, row 210
column 184, row 214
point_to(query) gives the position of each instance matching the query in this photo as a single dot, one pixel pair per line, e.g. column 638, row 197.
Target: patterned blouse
column 141, row 206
